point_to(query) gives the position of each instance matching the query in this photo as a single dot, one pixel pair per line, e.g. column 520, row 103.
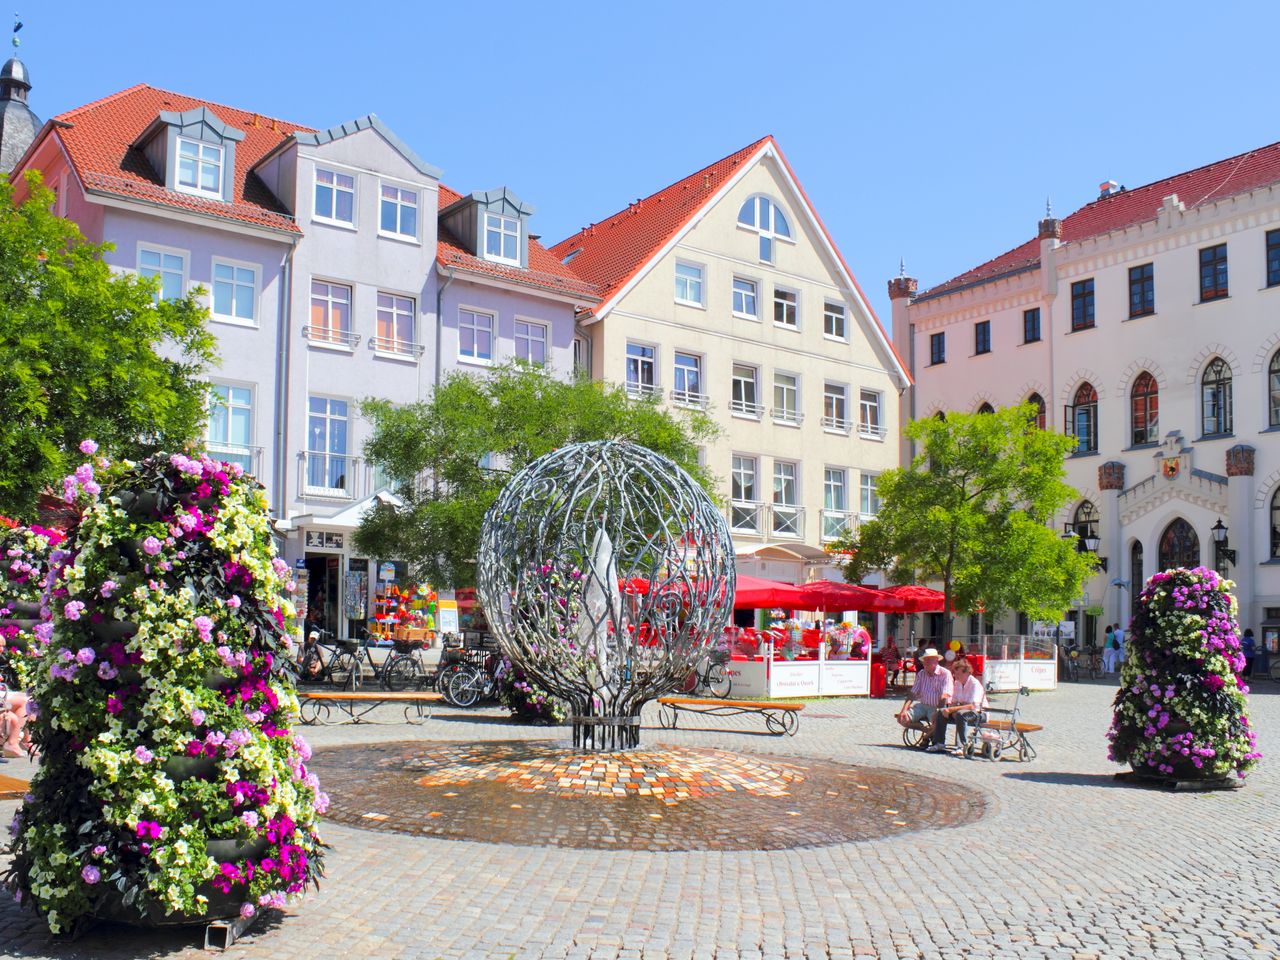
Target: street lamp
column 1222, row 553
column 1086, row 542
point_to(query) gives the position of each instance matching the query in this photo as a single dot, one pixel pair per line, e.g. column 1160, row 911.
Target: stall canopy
column 918, row 599
column 829, row 595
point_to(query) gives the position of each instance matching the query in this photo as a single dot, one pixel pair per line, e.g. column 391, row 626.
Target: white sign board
column 794, row 678
column 750, row 678
column 844, row 678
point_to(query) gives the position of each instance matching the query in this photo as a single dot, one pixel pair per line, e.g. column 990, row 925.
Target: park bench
column 352, row 706
column 779, row 717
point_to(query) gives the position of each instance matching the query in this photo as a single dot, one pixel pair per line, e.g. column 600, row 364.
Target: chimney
column 1107, row 188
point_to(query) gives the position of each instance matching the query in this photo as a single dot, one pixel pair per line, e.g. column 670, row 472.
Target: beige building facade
column 738, row 303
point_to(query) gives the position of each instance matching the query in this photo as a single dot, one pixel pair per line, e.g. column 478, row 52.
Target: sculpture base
column 605, row 734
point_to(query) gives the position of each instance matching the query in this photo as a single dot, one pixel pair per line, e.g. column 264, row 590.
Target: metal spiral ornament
column 605, row 570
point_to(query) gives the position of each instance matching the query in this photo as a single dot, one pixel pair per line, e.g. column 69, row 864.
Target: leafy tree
column 972, row 510
column 450, row 456
column 85, row 352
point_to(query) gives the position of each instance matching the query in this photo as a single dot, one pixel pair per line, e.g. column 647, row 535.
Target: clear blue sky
column 929, row 131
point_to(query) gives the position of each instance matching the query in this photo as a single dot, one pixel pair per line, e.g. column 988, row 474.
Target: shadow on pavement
column 1068, row 779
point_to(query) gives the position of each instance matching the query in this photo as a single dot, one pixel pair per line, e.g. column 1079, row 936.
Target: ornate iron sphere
column 605, row 570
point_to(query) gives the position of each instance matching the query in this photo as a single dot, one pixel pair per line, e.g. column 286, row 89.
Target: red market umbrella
column 754, row 593
column 918, row 599
column 829, row 595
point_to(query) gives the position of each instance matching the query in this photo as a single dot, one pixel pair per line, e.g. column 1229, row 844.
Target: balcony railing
column 249, row 457
column 837, row 424
column 400, row 348
column 744, row 516
column 836, row 523
column 788, row 520
column 331, row 337
column 641, row 389
column 329, row 475
column 746, row 409
column 689, row 398
column 872, row 431
column 787, row 415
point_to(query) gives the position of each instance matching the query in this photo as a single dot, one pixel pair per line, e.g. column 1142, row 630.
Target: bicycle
column 712, row 676
column 1073, row 664
column 341, row 667
column 1093, row 662
column 403, row 669
column 469, row 684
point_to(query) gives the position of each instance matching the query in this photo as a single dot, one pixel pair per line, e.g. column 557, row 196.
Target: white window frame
column 787, row 516
column 476, row 329
column 395, row 346
column 640, row 388
column 529, row 339
column 741, row 506
column 701, row 281
column 317, row 169
column 503, row 233
column 218, row 448
column 789, row 291
column 344, row 492
column 235, row 282
column 686, row 397
column 329, row 337
column 755, row 296
column 767, row 235
column 164, row 251
column 751, row 409
column 400, row 204
column 781, row 415
column 840, row 513
column 862, row 489
column 867, row 429
column 830, row 421
column 829, row 310
column 194, row 189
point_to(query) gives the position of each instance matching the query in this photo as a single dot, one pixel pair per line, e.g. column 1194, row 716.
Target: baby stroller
column 1001, row 733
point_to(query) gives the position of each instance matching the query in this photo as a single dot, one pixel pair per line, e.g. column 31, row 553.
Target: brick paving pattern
column 1071, row 865
column 682, row 798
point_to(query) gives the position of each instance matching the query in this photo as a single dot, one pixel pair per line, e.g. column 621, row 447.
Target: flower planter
column 234, row 851
column 148, row 913
column 217, row 680
column 179, row 769
column 22, row 623
column 110, row 630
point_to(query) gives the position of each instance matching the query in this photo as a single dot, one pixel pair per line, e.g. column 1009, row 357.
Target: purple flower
column 84, row 472
column 151, row 546
column 86, row 655
column 90, row 874
column 248, row 910
column 88, row 447
column 106, row 671
column 204, row 626
column 142, row 754
column 197, row 716
column 233, row 602
column 108, row 588
column 99, row 850
column 73, row 610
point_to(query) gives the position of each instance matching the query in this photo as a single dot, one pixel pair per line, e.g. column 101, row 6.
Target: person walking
column 892, row 661
column 1250, row 649
column 1120, row 637
column 1109, row 650
column 933, row 689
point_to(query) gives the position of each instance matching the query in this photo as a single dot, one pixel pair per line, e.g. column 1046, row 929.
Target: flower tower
column 29, row 553
column 171, row 789
column 1180, row 714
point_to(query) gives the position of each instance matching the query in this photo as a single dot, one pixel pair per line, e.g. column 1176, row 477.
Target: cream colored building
column 725, row 292
column 1147, row 324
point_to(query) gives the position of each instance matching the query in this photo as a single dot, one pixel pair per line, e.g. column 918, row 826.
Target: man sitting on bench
column 932, row 690
column 968, row 701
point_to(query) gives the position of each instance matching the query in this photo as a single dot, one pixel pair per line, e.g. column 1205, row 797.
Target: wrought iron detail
column 605, row 571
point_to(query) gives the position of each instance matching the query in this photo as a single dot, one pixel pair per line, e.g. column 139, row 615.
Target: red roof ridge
column 294, row 127
column 65, row 117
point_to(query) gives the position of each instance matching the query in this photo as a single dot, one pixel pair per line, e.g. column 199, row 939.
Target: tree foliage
column 449, row 457
column 85, row 352
column 972, row 510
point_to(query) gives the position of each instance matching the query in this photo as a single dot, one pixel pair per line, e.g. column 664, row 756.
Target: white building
column 1147, row 325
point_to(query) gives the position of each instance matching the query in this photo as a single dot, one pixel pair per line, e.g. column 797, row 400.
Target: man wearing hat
column 933, row 689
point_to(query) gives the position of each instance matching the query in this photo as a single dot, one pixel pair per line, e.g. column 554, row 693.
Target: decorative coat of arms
column 1170, row 466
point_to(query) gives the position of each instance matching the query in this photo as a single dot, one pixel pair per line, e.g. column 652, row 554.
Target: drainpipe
column 279, row 468
column 440, row 326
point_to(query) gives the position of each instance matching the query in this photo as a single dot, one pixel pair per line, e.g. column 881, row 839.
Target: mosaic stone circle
column 662, row 798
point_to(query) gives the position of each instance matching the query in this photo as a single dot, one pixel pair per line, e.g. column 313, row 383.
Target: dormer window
column 767, row 219
column 335, row 196
column 502, row 238
column 200, row 168
column 399, row 216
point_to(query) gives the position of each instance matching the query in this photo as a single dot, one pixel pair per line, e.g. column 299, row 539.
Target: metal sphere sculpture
column 605, row 571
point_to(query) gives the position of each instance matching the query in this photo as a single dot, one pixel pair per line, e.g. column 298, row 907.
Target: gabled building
column 725, row 292
column 1144, row 325
column 327, row 258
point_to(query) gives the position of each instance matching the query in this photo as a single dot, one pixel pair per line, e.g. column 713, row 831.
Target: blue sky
column 928, row 131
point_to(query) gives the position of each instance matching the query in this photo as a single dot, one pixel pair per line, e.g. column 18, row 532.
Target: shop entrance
column 322, row 591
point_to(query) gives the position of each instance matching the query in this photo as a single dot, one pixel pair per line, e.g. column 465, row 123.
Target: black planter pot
column 179, row 769
column 25, row 624
column 217, row 680
column 148, row 913
column 110, row 630
column 234, row 851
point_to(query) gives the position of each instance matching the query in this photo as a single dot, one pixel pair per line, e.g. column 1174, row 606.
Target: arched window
column 1082, row 419
column 1273, row 389
column 1215, row 398
column 1144, row 409
column 1085, row 520
column 1136, row 580
column 1275, row 525
column 986, row 408
column 767, row 219
column 1040, row 409
column 1179, row 546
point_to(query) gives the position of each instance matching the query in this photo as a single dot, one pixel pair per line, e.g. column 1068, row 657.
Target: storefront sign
column 750, row 678
column 386, row 571
column 790, row 679
column 844, row 678
column 448, row 616
column 323, row 540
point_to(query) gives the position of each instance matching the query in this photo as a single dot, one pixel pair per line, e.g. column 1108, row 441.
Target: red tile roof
column 617, row 248
column 1215, row 181
column 544, row 271
column 98, row 138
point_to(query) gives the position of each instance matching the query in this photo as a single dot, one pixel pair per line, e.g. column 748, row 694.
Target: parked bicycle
column 404, row 668
column 326, row 660
column 1073, row 664
column 470, row 683
column 710, row 676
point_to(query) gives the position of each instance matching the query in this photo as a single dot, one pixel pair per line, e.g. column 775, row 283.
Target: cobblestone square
column 1069, row 864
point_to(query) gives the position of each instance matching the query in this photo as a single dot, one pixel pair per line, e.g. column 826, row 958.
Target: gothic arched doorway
column 1179, row 546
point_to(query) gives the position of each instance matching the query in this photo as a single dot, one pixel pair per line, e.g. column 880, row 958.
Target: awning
column 829, row 595
column 754, row 593
column 918, row 599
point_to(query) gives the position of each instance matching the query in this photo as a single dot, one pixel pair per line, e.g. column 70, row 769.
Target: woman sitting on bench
column 968, row 703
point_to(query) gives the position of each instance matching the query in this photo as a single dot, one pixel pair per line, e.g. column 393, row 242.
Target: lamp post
column 1087, row 541
column 1222, row 554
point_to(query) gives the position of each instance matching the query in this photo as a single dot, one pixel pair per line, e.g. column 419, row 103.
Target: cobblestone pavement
column 1068, row 865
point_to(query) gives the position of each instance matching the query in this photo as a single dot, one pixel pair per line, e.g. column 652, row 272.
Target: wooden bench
column 1006, row 726
column 353, row 706
column 779, row 717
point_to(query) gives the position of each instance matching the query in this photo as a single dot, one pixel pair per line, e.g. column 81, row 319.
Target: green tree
column 972, row 510
column 85, row 352
column 449, row 457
